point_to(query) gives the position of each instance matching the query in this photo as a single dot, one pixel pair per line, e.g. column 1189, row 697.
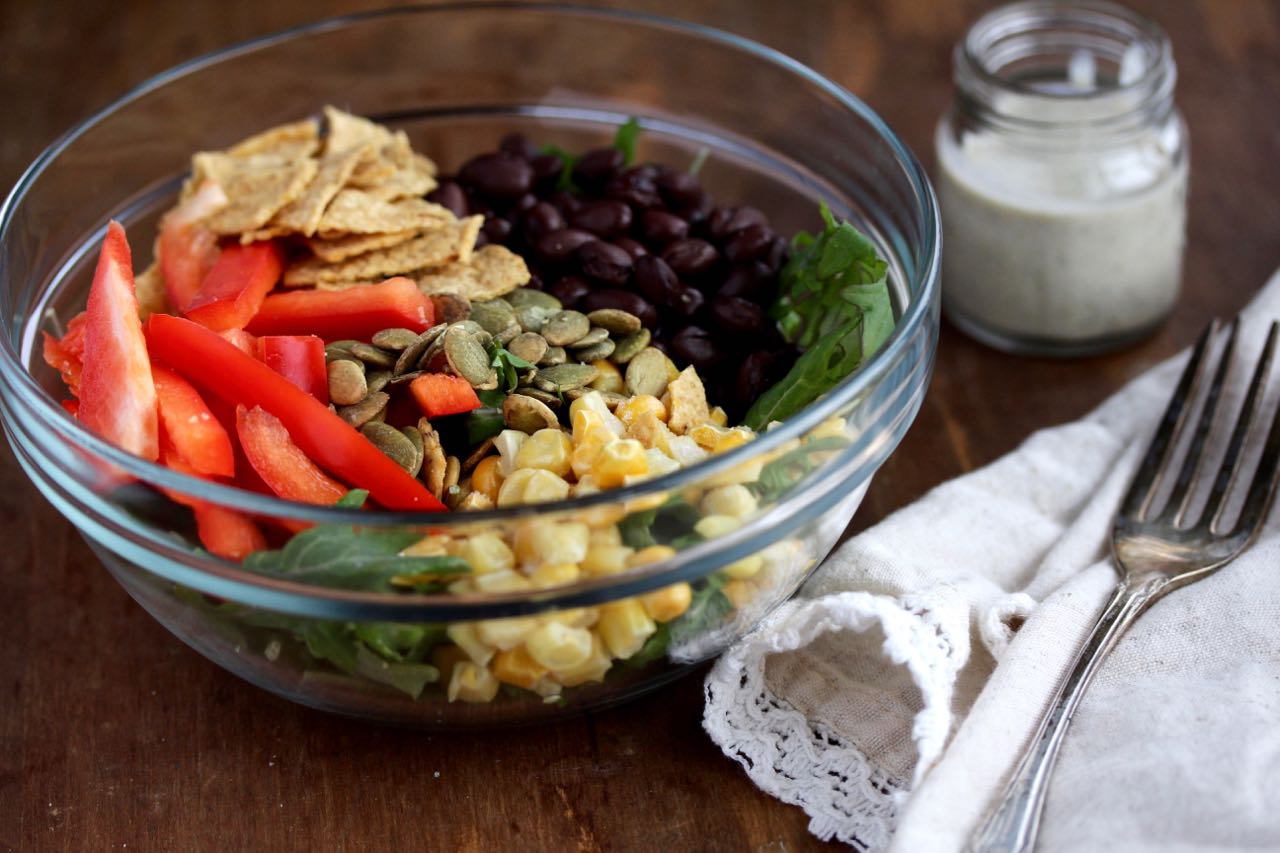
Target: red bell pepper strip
column 298, row 358
column 212, row 363
column 186, row 249
column 280, row 462
column 197, row 437
column 233, row 290
column 224, row 532
column 66, row 354
column 440, row 394
column 355, row 313
column 117, row 395
column 242, row 340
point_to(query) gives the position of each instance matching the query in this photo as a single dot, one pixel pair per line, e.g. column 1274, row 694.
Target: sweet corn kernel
column 647, row 502
column 487, row 477
column 618, row 460
column 548, row 449
column 719, row 417
column 606, row 535
column 476, row 501
column 632, row 410
column 504, row 580
column 734, row 500
column 719, row 439
column 713, row 526
column 747, row 472
column 552, row 542
column 652, row 554
column 464, row 637
column 548, row 688
column 507, row 633
column 603, row 515
column 606, row 559
column 515, row 666
column 584, row 486
column 430, row 546
column 591, row 669
column 672, row 372
column 738, row 592
column 609, row 378
column 554, row 574
column 485, row 552
column 651, row 432
column 445, row 657
column 462, row 586
column 592, row 401
column 685, row 450
column 747, row 567
column 624, row 626
column 531, row 486
column 588, row 442
column 557, row 646
column 471, row 683
column 667, row 603
column 508, row 444
column 833, row 427
column 575, row 617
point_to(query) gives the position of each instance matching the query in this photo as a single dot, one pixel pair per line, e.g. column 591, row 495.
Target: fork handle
column 1012, row 822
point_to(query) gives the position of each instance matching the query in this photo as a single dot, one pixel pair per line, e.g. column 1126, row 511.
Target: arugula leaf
column 669, row 523
column 695, row 166
column 625, row 139
column 817, row 371
column 353, row 499
column 508, row 365
column 485, row 422
column 569, row 159
column 411, row 678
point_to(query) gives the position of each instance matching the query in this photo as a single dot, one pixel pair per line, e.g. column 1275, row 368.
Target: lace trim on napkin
column 805, row 762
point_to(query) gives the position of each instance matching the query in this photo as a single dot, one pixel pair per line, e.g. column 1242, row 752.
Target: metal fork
column 1157, row 549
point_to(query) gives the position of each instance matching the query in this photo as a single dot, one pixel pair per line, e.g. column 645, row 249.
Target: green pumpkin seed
column 468, row 326
column 509, row 334
column 490, row 383
column 647, row 373
column 627, row 347
column 378, row 379
column 368, row 409
column 339, row 350
column 566, row 327
column 409, row 356
column 467, row 356
column 494, row 317
column 391, row 441
column 593, row 336
column 528, row 346
column 523, row 297
column 415, row 438
column 402, row 379
column 395, row 340
column 615, row 321
column 533, row 317
column 551, row 400
column 347, row 384
column 613, row 400
column 562, row 377
column 373, row 356
column 526, row 414
column 451, row 307
column 595, row 352
column 553, row 356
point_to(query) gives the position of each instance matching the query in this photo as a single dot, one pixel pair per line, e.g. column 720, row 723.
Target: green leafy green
column 353, row 499
column 508, row 366
column 699, row 159
column 625, row 139
column 569, row 160
column 661, row 525
column 709, row 608
column 792, row 467
column 484, row 422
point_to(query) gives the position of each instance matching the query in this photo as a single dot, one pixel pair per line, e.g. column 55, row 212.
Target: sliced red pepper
column 233, row 290
column 224, row 532
column 355, row 313
column 280, row 462
column 186, row 249
column 440, row 394
column 66, row 354
column 117, row 395
column 198, row 438
column 298, row 358
column 212, row 363
column 72, row 407
column 242, row 340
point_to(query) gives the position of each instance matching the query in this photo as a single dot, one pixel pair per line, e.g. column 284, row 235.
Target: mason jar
column 1062, row 179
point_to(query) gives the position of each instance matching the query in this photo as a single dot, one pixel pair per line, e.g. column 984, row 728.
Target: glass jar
column 1062, row 179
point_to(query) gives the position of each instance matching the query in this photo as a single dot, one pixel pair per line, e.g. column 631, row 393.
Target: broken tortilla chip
column 435, row 248
column 493, row 271
column 257, row 187
column 288, row 141
column 303, row 214
column 358, row 212
column 341, row 248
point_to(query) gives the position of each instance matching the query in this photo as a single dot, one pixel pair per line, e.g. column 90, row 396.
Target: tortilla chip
column 258, row 186
column 402, row 183
column 688, row 402
column 289, row 141
column 271, row 232
column 493, row 271
column 358, row 212
column 149, row 285
column 340, row 285
column 341, row 248
column 303, row 214
column 349, row 131
column 434, row 248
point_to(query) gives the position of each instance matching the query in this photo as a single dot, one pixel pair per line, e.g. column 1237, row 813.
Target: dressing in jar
column 1062, row 179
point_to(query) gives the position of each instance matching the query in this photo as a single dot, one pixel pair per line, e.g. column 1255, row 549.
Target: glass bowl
column 777, row 135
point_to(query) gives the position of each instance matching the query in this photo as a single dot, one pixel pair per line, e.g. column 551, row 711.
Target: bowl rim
column 18, row 381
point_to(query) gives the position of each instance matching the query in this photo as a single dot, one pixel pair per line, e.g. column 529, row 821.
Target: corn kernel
column 651, row 432
column 738, row 592
column 667, row 603
column 747, row 567
column 734, row 500
column 747, row 472
column 593, row 402
column 652, row 554
column 464, row 637
column 685, row 451
column 548, row 449
column 718, row 439
column 606, row 559
column 557, row 646
column 585, row 486
column 609, row 377
column 575, row 617
column 618, row 460
column 530, row 486
column 588, row 441
column 476, row 501
column 507, row 633
column 624, row 626
column 548, row 688
column 430, row 546
column 504, row 580
column 603, row 515
column 719, row 417
column 508, row 444
column 514, row 666
column 485, row 552
column 471, row 683
column 554, row 574
column 445, row 657
column 487, row 477
column 632, row 410
column 673, row 372
column 604, row 535
column 713, row 526
column 552, row 542
column 592, row 669
column 833, row 427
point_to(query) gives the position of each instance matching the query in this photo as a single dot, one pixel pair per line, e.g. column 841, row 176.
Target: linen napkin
column 896, row 692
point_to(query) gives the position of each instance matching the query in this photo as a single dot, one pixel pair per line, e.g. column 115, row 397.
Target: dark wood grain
column 114, row 734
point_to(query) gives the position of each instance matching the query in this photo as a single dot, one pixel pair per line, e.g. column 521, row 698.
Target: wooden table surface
column 114, row 735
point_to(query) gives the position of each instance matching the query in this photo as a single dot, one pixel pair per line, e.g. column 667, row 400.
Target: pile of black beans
column 647, row 239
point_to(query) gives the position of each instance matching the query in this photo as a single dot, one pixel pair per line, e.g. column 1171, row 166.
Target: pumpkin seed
column 373, row 356
column 553, row 356
column 469, row 326
column 366, row 410
column 533, row 317
column 451, row 307
column 392, row 442
column 452, row 471
column 482, row 450
column 378, row 379
column 565, row 328
column 551, row 400
column 522, row 297
column 409, row 356
column 613, row 400
column 494, row 316
column 347, row 384
column 508, row 334
column 627, row 347
column 395, row 339
column 339, row 350
column 593, row 336
column 595, row 352
column 647, row 373
column 528, row 346
column 490, row 383
column 433, row 360
column 402, row 379
column 415, row 438
column 615, row 321
column 526, row 414
column 562, row 377
column 455, row 497
column 467, row 356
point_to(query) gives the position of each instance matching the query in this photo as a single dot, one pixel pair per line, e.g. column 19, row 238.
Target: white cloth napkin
column 892, row 697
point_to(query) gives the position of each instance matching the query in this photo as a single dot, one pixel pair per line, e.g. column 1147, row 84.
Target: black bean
column 658, row 227
column 655, row 279
column 604, row 262
column 498, row 174
column 685, row 301
column 564, row 201
column 748, row 244
column 776, row 255
column 735, row 315
column 726, row 221
column 556, row 246
column 698, row 210
column 449, row 194
column 749, row 281
column 546, row 170
column 636, row 187
column 605, row 218
column 623, row 300
column 691, row 256
column 524, row 202
column 754, row 376
column 518, row 145
column 542, row 218
column 570, row 290
column 497, row 229
column 594, row 169
column 632, row 247
column 695, row 346
column 680, row 189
